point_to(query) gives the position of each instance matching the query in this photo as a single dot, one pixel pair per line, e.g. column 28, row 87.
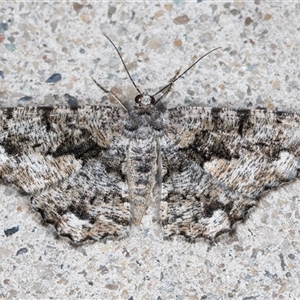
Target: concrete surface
column 258, row 65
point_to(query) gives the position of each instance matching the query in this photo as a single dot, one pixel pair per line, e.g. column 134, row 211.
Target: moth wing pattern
column 70, row 160
column 216, row 163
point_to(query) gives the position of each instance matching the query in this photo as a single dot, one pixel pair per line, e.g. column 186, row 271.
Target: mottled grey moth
column 94, row 171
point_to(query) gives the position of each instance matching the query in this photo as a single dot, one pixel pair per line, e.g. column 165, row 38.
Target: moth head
column 144, row 100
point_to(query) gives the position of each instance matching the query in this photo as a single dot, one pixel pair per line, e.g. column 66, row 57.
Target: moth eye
column 153, row 100
column 138, row 98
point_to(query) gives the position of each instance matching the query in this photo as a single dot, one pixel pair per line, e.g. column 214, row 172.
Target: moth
column 93, row 171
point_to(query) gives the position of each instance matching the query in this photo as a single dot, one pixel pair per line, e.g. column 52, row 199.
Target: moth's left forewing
column 40, row 146
column 104, row 123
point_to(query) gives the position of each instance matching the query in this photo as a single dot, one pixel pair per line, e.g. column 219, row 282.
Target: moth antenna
column 123, row 63
column 168, row 87
column 179, row 76
column 109, row 92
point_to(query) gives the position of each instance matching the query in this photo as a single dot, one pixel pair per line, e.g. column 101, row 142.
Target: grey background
column 258, row 66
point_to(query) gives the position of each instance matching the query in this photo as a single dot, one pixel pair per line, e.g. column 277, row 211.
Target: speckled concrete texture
column 258, row 66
